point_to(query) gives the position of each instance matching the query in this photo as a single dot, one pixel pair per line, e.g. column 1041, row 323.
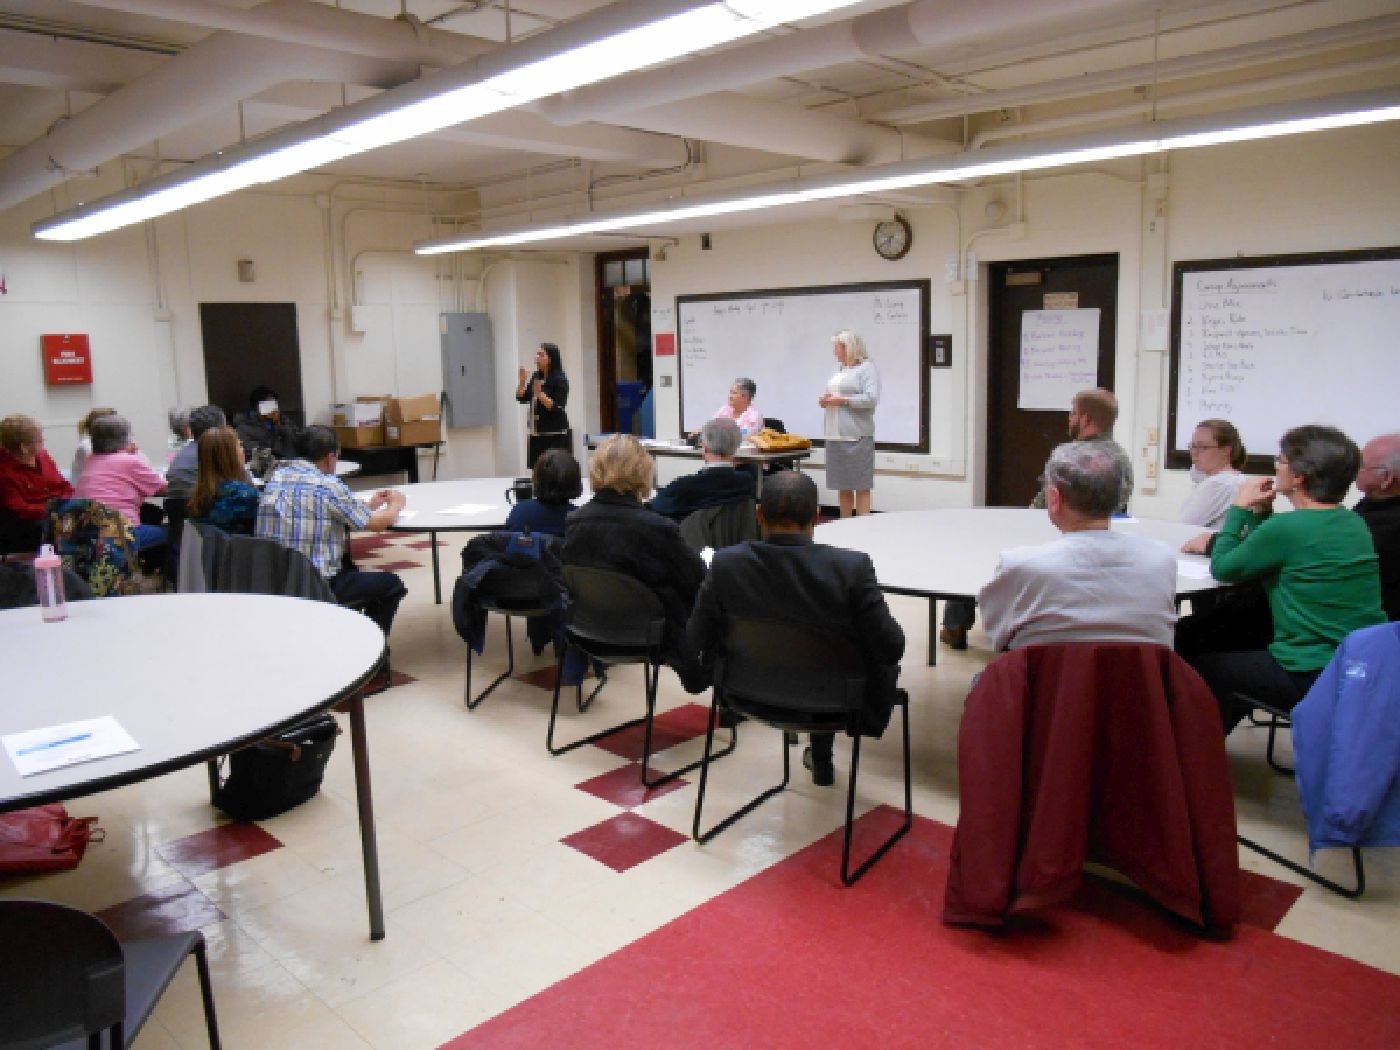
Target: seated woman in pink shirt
column 740, row 407
column 119, row 477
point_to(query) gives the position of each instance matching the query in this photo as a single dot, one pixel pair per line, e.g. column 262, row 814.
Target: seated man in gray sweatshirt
column 1092, row 584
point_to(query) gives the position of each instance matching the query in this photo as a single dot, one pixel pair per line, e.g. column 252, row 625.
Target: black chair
column 175, row 514
column 68, row 979
column 615, row 619
column 798, row 679
column 512, row 592
column 1277, row 719
column 778, row 464
column 721, row 526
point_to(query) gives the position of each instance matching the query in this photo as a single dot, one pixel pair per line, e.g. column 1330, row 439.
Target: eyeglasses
column 1202, row 448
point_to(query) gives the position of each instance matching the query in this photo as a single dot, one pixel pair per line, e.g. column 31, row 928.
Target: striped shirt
column 310, row 512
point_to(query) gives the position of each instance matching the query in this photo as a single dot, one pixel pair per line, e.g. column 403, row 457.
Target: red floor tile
column 216, row 848
column 624, row 841
column 623, row 787
column 423, row 545
column 669, row 729
column 368, row 546
column 396, row 566
column 176, row 908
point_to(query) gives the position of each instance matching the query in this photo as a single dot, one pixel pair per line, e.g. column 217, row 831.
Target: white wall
column 137, row 296
column 1333, row 190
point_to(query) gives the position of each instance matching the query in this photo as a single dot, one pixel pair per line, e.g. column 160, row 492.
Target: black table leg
column 933, row 632
column 437, row 575
column 369, row 844
column 411, row 464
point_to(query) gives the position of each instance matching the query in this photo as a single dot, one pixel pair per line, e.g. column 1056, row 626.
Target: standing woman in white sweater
column 850, row 399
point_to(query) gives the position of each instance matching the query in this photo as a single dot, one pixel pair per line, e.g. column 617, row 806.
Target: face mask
column 1197, row 475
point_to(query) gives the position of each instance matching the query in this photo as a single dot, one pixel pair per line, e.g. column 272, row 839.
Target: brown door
column 1018, row 440
column 248, row 345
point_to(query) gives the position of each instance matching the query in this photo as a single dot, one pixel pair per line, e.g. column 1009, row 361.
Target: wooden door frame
column 607, row 367
column 987, row 305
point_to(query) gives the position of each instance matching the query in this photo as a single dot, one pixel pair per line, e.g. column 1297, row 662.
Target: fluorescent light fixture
column 618, row 39
column 1340, row 111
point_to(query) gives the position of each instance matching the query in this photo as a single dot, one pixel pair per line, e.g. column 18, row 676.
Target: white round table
column 462, row 505
column 211, row 695
column 953, row 553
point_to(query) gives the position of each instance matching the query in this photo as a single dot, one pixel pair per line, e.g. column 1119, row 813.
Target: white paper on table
column 1193, row 568
column 405, row 515
column 53, row 747
column 467, row 508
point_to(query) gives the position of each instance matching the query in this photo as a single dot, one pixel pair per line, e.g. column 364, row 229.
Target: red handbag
column 44, row 838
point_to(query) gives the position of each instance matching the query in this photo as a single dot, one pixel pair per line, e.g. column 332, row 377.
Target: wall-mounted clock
column 893, row 238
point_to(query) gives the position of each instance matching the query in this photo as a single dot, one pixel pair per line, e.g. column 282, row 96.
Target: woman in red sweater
column 28, row 480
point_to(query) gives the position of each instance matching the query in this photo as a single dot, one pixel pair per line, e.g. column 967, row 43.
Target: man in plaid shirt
column 306, row 507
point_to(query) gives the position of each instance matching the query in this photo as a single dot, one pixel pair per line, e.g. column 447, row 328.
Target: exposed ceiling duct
column 313, row 25
column 893, row 31
column 201, row 82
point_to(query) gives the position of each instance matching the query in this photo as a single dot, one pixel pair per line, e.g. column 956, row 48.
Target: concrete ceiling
column 84, row 84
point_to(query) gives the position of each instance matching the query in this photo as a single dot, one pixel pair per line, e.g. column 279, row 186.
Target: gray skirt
column 850, row 465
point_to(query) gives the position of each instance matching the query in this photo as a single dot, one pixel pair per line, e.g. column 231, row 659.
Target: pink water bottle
column 48, row 581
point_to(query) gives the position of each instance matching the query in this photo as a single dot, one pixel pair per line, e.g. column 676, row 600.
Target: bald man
column 1379, row 482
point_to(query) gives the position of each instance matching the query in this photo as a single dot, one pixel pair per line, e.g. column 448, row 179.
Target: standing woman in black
column 546, row 391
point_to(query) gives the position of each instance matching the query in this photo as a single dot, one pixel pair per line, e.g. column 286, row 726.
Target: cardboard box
column 412, row 420
column 358, row 413
column 361, row 437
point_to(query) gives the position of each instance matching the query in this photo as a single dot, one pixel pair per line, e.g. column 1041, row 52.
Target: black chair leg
column 206, row 992
column 653, row 678
column 1308, row 873
column 554, row 715
column 847, row 876
column 510, row 670
column 1275, row 724
column 748, row 807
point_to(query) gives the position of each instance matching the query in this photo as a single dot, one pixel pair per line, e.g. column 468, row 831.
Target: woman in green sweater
column 1317, row 565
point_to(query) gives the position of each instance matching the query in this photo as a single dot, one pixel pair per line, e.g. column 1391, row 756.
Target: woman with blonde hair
column 222, row 496
column 614, row 530
column 850, row 399
column 29, row 478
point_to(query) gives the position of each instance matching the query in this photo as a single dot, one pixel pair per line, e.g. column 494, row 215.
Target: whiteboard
column 1059, row 357
column 781, row 339
column 1279, row 342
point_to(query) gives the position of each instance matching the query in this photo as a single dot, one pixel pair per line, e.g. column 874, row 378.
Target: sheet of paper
column 467, row 508
column 405, row 515
column 1193, row 567
column 53, row 747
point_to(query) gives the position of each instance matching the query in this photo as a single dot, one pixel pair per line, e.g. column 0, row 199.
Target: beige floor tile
column 421, row 1010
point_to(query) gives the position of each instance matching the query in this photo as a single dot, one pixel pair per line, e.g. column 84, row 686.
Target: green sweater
column 1319, row 569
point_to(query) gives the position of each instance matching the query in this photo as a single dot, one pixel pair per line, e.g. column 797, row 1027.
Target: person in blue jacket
column 556, row 481
column 1346, row 744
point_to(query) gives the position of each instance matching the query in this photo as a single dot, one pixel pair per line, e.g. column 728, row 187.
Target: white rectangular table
column 953, row 553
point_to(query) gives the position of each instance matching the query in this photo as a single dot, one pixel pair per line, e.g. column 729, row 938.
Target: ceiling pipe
column 314, row 25
column 1221, row 60
column 738, row 120
column 201, row 82
column 1172, row 103
column 57, row 64
column 892, row 31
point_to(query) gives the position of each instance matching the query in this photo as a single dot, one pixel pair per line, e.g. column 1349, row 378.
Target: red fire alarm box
column 66, row 359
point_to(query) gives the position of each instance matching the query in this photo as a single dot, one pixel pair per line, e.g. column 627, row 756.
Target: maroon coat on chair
column 1092, row 751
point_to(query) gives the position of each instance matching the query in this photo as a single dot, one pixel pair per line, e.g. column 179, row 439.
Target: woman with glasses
column 1317, row 566
column 1217, row 457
